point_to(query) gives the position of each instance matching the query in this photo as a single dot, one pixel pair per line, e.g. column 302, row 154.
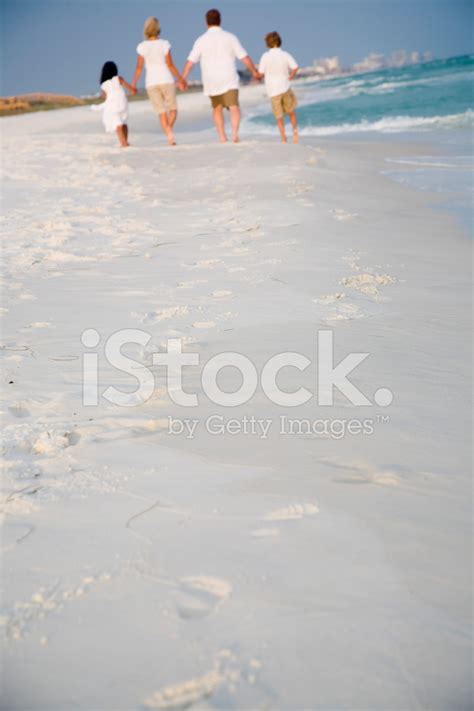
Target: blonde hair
column 151, row 28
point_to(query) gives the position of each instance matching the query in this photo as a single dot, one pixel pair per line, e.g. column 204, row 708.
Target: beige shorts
column 162, row 97
column 230, row 98
column 284, row 104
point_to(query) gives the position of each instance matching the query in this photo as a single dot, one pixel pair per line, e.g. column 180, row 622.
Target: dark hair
column 109, row 70
column 213, row 18
column 273, row 39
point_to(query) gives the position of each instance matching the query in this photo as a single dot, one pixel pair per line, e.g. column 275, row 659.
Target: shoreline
column 194, row 118
column 258, row 563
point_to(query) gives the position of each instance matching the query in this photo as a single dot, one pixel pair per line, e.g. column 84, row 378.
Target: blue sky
column 60, row 45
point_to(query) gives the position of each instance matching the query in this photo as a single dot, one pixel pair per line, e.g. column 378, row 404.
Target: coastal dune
column 251, row 563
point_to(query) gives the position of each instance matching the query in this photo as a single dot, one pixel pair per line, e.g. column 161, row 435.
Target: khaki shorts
column 284, row 104
column 230, row 98
column 162, row 97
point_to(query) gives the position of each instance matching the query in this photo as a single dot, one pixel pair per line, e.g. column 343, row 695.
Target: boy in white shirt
column 278, row 68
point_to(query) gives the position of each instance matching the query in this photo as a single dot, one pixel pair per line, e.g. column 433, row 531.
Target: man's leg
column 219, row 122
column 281, row 126
column 294, row 123
column 235, row 122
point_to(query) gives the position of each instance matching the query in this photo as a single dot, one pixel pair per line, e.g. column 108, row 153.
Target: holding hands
column 130, row 87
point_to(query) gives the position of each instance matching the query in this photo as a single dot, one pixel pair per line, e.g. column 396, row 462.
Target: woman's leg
column 165, row 125
column 172, row 116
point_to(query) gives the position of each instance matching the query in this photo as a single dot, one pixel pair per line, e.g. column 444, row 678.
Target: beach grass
column 45, row 101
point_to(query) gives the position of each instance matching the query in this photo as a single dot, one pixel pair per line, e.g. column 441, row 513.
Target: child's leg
column 167, row 128
column 122, row 133
column 294, row 123
column 281, row 126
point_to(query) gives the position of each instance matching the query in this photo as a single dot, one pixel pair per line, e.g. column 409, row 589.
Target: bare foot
column 283, row 139
column 236, row 139
column 296, row 137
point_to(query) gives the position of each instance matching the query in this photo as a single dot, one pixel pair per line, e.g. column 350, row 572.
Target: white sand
column 277, row 571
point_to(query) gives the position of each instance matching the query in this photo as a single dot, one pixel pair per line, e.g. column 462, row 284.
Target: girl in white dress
column 115, row 107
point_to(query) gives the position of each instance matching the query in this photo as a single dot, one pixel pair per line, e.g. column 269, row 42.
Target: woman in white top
column 155, row 55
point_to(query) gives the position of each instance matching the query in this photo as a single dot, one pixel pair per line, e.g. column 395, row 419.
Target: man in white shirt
column 217, row 51
column 278, row 68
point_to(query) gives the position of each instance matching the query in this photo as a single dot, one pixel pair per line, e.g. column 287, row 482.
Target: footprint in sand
column 39, row 324
column 342, row 215
column 19, row 411
column 382, row 478
column 162, row 315
column 190, row 284
column 345, row 312
column 203, row 264
column 265, row 533
column 292, row 512
column 227, row 672
column 299, row 189
column 19, row 620
column 204, row 324
column 221, row 294
column 361, row 473
column 368, row 284
column 184, row 694
column 51, row 441
column 198, row 596
column 330, row 298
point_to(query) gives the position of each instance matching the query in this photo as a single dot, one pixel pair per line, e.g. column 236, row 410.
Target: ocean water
column 436, row 94
column 430, row 103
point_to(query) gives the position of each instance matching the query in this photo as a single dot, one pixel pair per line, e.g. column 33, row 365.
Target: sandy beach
column 248, row 563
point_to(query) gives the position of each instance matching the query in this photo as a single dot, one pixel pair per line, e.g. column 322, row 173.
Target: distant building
column 327, row 65
column 371, row 63
column 331, row 66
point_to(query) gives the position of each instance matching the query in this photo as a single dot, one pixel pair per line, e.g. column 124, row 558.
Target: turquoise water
column 436, row 94
column 431, row 104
